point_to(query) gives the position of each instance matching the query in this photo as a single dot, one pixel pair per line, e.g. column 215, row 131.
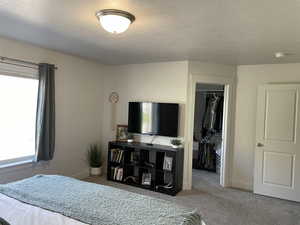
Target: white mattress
column 18, row 213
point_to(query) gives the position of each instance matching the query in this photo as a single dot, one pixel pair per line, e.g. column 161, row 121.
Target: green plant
column 176, row 142
column 94, row 156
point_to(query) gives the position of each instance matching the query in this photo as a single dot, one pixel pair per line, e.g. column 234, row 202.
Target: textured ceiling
column 221, row 31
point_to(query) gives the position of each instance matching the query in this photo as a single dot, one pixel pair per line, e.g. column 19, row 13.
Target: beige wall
column 211, row 69
column 79, row 102
column 83, row 87
column 158, row 82
column 168, row 82
column 249, row 78
column 83, row 112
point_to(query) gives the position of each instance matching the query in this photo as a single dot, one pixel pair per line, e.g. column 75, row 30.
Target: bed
column 59, row 200
column 18, row 213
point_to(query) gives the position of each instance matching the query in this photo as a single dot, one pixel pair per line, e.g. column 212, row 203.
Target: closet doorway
column 208, row 145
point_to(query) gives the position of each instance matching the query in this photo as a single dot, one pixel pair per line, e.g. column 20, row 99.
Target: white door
column 277, row 151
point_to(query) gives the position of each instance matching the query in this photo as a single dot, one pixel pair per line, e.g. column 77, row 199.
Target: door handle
column 260, row 145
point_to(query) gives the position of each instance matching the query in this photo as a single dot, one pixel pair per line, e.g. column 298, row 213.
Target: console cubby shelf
column 128, row 162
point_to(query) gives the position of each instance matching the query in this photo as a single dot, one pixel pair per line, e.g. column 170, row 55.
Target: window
column 18, row 102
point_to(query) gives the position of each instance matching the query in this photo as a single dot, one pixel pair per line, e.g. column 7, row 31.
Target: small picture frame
column 122, row 133
column 146, row 179
column 168, row 163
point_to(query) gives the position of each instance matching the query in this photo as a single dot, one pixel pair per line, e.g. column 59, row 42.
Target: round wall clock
column 114, row 97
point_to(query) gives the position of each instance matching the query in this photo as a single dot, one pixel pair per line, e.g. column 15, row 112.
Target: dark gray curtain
column 45, row 116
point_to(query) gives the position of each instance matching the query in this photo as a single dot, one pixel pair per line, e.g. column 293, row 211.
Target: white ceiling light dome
column 114, row 20
column 283, row 54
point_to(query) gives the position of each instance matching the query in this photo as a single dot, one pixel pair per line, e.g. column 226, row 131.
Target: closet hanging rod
column 3, row 59
column 210, row 90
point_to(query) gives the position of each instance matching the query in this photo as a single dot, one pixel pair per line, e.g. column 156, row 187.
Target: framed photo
column 168, row 163
column 122, row 133
column 146, row 179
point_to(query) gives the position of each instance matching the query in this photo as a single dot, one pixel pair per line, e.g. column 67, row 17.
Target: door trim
column 229, row 93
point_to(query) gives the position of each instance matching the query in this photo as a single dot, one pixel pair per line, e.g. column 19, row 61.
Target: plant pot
column 95, row 171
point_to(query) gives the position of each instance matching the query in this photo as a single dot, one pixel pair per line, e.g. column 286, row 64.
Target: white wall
column 79, row 102
column 249, row 78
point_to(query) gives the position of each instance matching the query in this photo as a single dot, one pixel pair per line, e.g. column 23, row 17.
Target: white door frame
column 227, row 136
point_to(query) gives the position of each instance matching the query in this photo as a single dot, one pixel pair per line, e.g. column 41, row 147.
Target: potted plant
column 176, row 143
column 94, row 158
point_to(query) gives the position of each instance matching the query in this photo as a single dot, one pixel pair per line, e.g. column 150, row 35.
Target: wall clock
column 114, row 97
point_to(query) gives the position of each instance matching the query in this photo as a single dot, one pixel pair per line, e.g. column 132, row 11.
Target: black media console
column 156, row 167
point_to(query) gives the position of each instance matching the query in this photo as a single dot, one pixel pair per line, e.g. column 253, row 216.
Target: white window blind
column 18, row 71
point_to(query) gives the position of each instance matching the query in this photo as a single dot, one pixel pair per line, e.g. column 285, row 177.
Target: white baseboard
column 185, row 187
column 242, row 185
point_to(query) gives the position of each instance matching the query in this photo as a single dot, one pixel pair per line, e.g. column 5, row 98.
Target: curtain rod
column 2, row 58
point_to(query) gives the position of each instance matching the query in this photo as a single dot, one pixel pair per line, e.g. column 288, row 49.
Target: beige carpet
column 225, row 206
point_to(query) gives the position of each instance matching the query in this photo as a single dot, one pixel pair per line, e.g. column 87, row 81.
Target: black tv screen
column 153, row 118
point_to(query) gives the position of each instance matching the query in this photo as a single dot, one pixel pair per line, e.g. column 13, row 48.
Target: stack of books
column 116, row 155
column 117, row 173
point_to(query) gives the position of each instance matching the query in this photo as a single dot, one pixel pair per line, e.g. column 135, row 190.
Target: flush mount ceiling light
column 282, row 54
column 114, row 20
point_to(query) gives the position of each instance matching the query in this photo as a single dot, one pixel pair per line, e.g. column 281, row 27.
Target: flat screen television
column 153, row 118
